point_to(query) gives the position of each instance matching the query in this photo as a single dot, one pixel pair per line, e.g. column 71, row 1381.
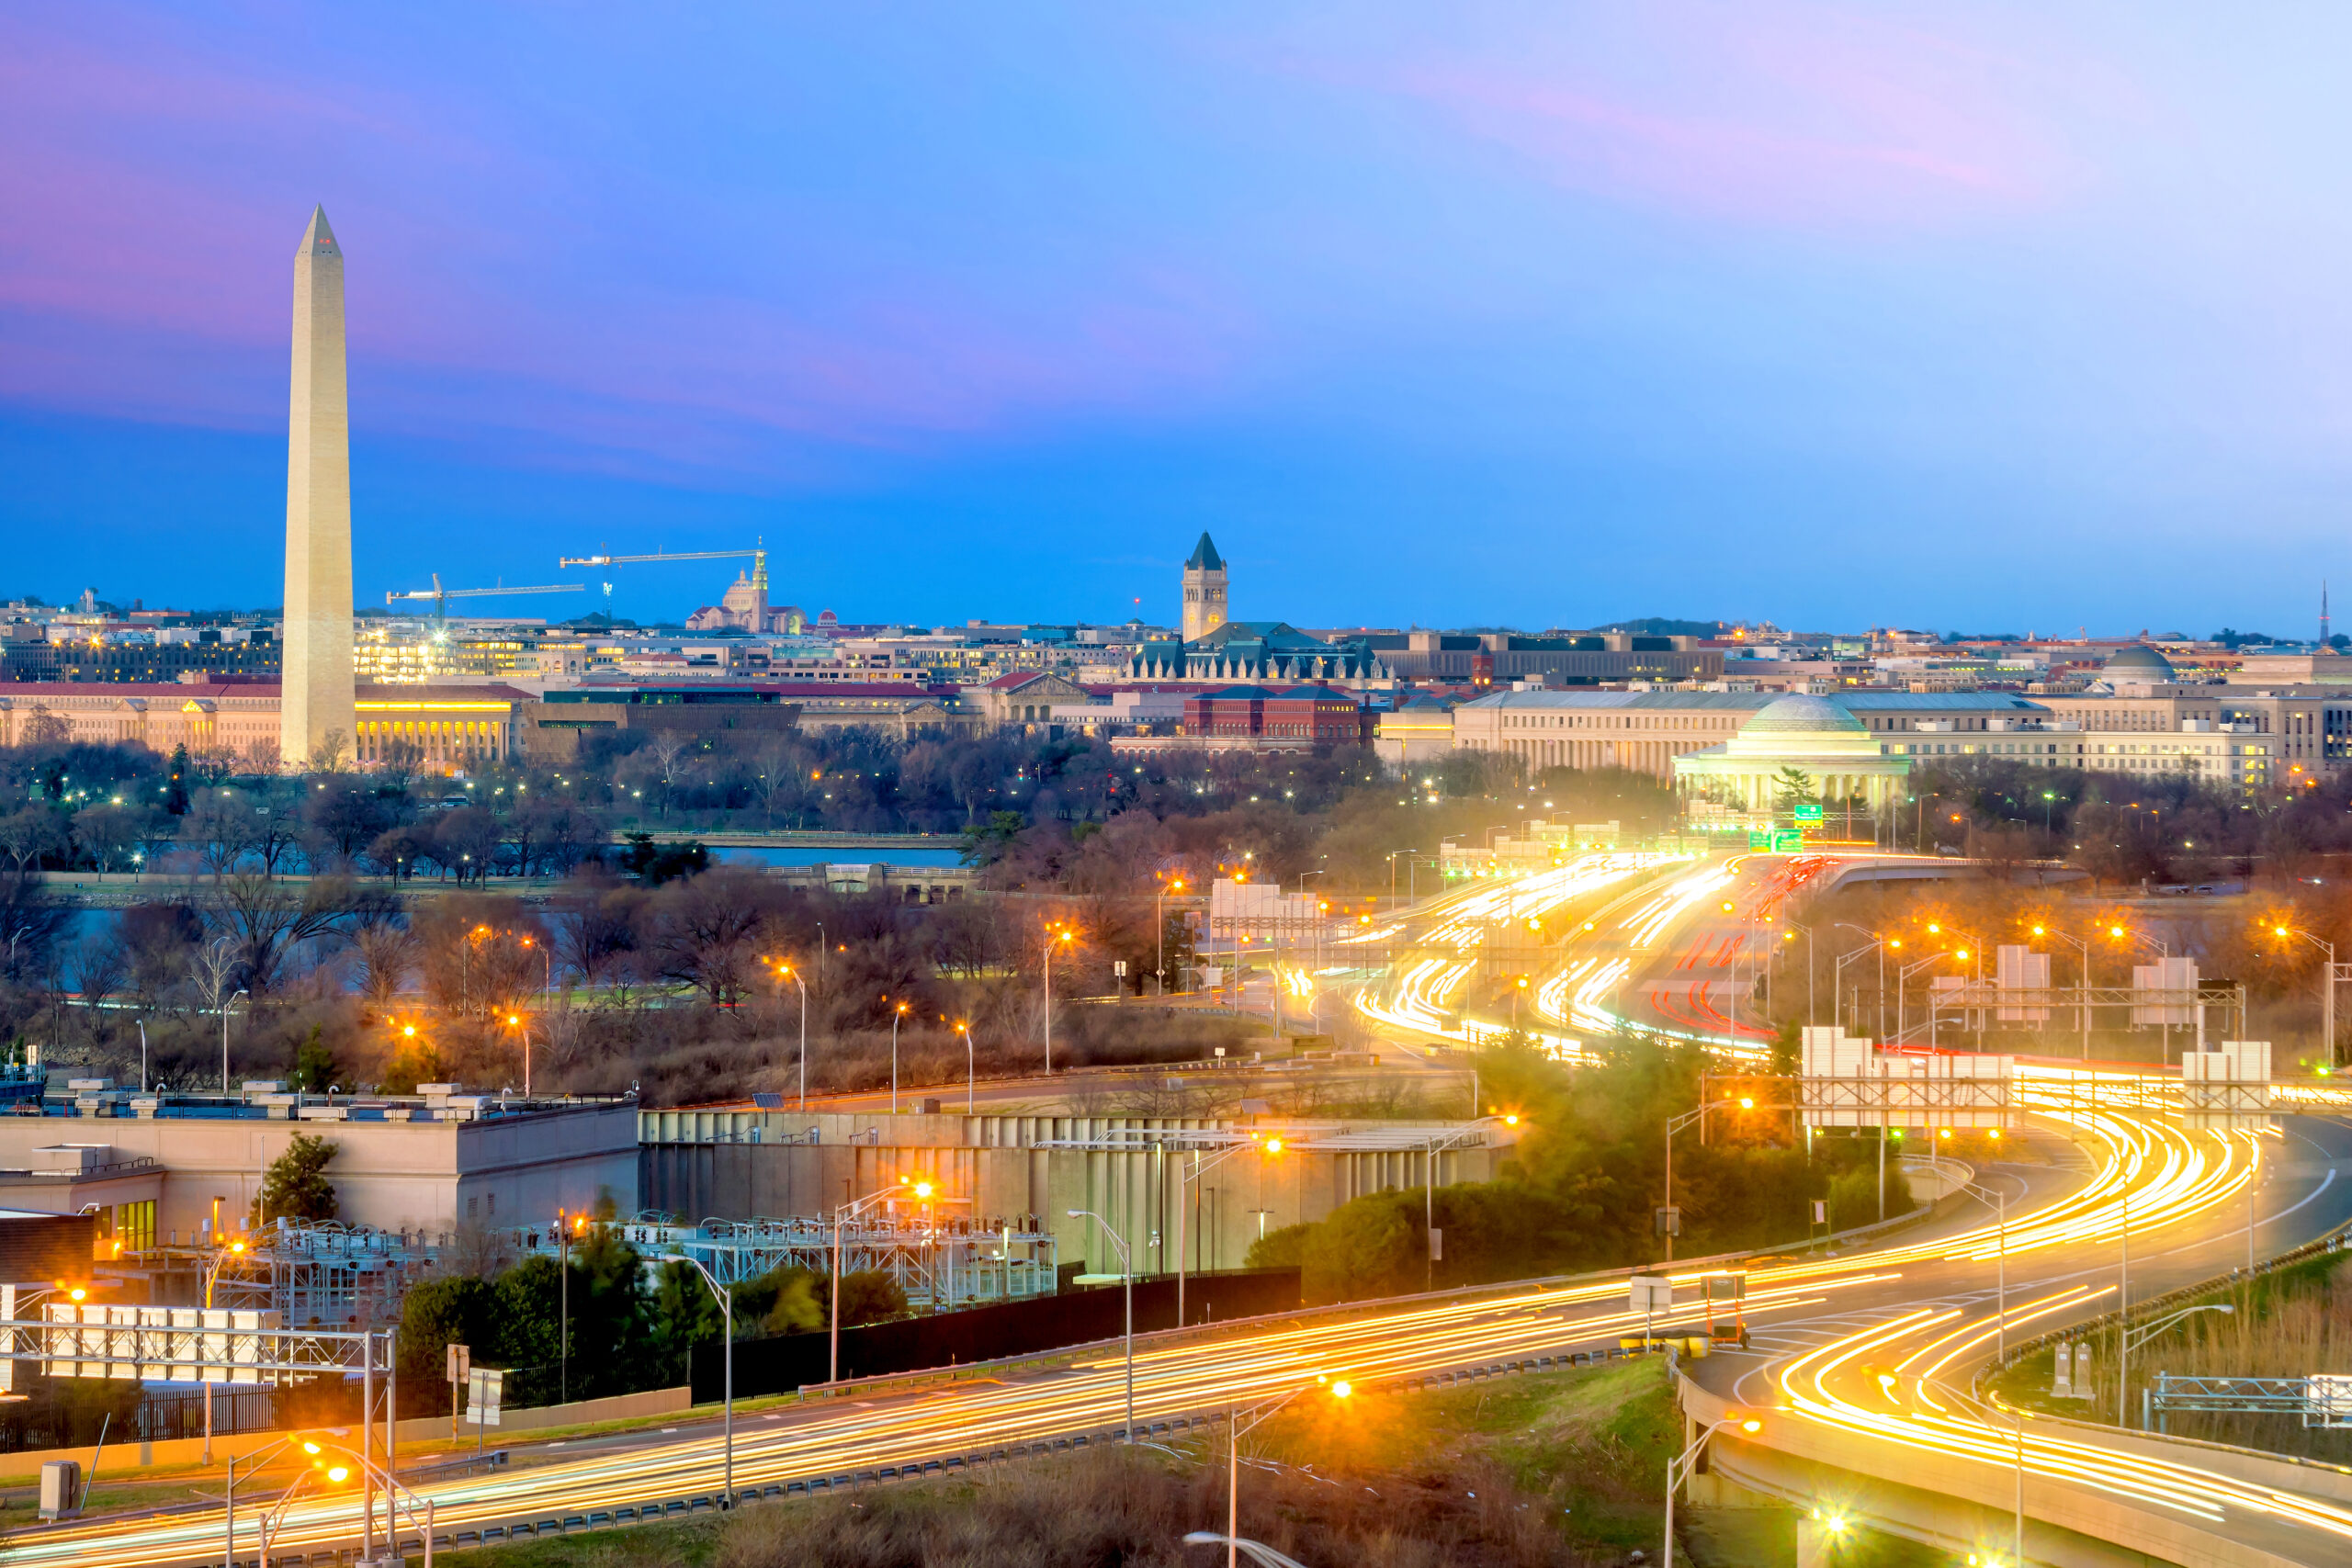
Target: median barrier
column 24, row 1464
column 1162, row 1338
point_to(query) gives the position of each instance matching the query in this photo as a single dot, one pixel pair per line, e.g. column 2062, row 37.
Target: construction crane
column 441, row 596
column 565, row 561
column 758, row 556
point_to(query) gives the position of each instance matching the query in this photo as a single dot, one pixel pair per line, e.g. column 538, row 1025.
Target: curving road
column 1865, row 1346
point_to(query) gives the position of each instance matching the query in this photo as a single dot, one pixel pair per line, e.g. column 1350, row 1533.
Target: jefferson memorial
column 1813, row 734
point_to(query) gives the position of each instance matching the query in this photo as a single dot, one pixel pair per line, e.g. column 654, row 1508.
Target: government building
column 437, row 729
column 1722, row 743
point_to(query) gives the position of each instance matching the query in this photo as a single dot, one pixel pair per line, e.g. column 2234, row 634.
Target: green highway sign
column 1757, row 839
column 1811, row 813
column 1787, row 841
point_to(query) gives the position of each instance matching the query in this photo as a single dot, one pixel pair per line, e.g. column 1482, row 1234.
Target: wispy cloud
column 156, row 182
column 1783, row 115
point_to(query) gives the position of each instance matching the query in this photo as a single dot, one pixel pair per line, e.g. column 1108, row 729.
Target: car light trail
column 1808, row 1385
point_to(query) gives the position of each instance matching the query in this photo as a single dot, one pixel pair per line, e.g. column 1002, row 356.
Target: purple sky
column 2019, row 318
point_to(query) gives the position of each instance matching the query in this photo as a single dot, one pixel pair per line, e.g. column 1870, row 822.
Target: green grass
column 682, row 1543
column 1585, row 1449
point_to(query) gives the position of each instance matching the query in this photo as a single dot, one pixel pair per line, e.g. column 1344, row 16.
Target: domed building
column 1815, row 736
column 2138, row 665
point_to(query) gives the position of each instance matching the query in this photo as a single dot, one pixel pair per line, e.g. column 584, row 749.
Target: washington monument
column 315, row 714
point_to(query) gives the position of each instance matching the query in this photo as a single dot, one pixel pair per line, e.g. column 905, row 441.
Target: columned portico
column 1838, row 757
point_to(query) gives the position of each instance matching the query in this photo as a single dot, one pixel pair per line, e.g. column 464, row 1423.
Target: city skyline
column 1982, row 324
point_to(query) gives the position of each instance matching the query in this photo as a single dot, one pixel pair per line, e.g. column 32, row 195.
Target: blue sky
column 2002, row 317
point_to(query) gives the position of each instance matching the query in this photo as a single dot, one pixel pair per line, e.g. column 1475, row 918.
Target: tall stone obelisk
column 316, row 702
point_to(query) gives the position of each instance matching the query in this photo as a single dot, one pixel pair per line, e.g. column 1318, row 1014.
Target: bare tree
column 387, row 958
column 220, row 828
column 264, row 921
column 30, row 925
column 467, row 841
column 668, row 749
column 29, row 835
column 277, row 833
column 215, row 966
column 398, row 760
column 100, row 967
column 706, row 925
column 332, row 754
column 779, row 774
column 596, row 928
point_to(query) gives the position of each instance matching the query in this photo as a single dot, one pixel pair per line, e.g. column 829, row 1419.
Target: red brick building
column 1295, row 716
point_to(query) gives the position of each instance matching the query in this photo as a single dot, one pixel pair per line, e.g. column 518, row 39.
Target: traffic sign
column 1759, row 839
column 1787, row 841
column 485, row 1387
column 1808, row 811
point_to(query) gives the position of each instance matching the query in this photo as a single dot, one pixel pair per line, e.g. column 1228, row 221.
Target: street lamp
column 2084, row 947
column 224, row 1037
column 1435, row 1145
column 515, row 1020
column 847, row 1212
column 371, row 1475
column 2133, row 1341
column 1680, row 1464
column 971, row 1065
column 252, row 1464
column 221, row 1256
column 1838, row 977
column 785, row 972
column 1236, row 1429
column 1160, row 927
column 2329, row 949
column 1812, row 1012
column 727, row 1309
column 1934, row 928
column 1050, row 939
column 1184, row 1179
column 897, row 1013
column 1903, row 973
column 1675, row 1125
column 1127, row 1276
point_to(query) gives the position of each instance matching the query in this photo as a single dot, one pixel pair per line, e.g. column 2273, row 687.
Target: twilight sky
column 2002, row 317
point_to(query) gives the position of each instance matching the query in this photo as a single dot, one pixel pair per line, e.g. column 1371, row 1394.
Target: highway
column 1869, row 1343
column 1813, row 1321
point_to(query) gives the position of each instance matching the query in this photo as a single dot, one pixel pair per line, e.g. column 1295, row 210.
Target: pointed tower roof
column 318, row 237
column 1205, row 556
